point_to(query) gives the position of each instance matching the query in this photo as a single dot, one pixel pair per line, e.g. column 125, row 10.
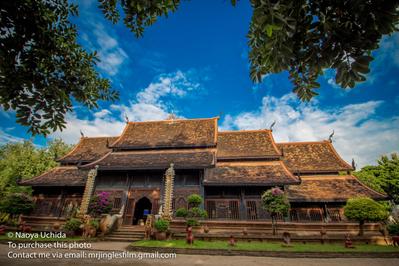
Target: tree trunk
column 361, row 223
column 274, row 225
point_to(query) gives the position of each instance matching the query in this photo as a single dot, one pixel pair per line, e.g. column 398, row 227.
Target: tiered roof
column 60, row 176
column 266, row 173
column 326, row 188
column 246, row 145
column 234, row 158
column 180, row 133
column 133, row 160
column 312, row 157
column 88, row 150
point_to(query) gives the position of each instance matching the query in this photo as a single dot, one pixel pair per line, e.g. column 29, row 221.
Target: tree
column 299, row 36
column 364, row 209
column 42, row 67
column 383, row 177
column 275, row 202
column 16, row 203
column 23, row 160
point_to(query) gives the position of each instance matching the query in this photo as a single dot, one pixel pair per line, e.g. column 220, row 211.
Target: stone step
column 117, row 233
column 122, row 239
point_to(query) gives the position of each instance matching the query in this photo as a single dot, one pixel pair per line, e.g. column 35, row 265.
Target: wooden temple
column 229, row 169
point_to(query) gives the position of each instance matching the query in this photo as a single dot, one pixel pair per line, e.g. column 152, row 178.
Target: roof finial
column 353, row 164
column 331, row 136
column 107, row 143
column 126, row 119
column 81, row 134
column 272, row 125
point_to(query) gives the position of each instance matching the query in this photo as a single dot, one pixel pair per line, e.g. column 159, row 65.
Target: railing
column 233, row 209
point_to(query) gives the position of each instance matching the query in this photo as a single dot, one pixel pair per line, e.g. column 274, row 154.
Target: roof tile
column 312, row 157
column 330, row 189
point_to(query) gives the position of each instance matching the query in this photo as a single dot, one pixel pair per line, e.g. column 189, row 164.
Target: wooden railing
column 233, row 209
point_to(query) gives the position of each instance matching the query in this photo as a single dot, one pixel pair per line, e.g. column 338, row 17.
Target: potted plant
column 161, row 226
column 72, row 227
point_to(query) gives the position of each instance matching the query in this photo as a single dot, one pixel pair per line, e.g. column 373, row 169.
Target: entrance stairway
column 127, row 233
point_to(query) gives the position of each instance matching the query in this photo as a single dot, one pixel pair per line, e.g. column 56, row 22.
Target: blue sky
column 194, row 64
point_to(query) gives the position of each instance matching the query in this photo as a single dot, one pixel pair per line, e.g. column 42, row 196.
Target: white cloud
column 148, row 105
column 112, row 56
column 7, row 138
column 357, row 134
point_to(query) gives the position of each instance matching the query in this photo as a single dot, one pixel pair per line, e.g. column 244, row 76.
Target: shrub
column 363, row 209
column 16, row 203
column 192, row 222
column 161, row 225
column 181, row 212
column 100, row 204
column 197, row 213
column 393, row 229
column 72, row 224
column 194, row 200
column 4, row 217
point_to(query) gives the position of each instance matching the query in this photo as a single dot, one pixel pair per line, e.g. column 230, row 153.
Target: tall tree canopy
column 383, row 177
column 42, row 68
column 23, row 160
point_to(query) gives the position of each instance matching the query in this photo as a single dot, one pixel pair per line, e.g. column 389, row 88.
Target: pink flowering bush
column 100, row 204
column 275, row 202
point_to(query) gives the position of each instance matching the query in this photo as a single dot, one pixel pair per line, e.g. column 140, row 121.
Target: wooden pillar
column 243, row 210
column 202, row 189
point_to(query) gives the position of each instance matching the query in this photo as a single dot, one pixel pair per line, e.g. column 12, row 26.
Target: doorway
column 142, row 208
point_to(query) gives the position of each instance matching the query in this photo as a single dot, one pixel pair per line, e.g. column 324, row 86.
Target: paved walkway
column 183, row 260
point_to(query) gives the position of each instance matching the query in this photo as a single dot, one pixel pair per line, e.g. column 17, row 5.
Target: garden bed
column 265, row 249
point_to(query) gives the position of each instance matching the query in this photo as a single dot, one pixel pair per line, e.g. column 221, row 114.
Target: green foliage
column 393, row 229
column 196, row 212
column 181, row 212
column 16, row 203
column 4, row 217
column 72, row 224
column 275, row 202
column 192, row 222
column 42, row 66
column 95, row 223
column 194, row 200
column 307, row 37
column 23, row 160
column 138, row 14
column 363, row 209
column 161, row 225
column 384, row 177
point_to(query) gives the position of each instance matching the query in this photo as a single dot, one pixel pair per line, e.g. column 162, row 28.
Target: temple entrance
column 142, row 208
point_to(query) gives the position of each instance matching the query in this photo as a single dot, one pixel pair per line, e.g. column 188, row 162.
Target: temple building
column 230, row 169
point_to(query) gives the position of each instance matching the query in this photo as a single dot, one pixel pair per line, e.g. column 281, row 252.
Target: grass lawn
column 5, row 237
column 265, row 246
